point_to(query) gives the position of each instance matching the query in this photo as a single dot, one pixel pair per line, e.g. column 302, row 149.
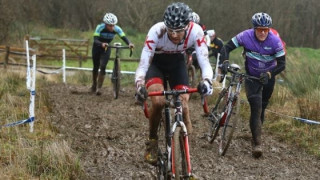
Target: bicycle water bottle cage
column 235, row 67
column 117, row 44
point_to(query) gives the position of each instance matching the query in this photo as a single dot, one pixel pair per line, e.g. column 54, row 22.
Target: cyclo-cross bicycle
column 226, row 110
column 173, row 154
column 116, row 74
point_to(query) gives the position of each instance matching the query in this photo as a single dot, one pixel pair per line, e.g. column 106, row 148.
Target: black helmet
column 177, row 15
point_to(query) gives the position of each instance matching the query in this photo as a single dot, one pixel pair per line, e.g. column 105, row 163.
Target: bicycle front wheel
column 162, row 169
column 192, row 76
column 216, row 116
column 180, row 162
column 229, row 126
column 116, row 78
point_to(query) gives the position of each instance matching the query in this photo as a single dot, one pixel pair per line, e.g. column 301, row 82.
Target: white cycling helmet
column 110, row 18
column 195, row 18
column 211, row 33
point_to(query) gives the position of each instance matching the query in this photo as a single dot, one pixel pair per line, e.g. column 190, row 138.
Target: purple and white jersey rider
column 260, row 56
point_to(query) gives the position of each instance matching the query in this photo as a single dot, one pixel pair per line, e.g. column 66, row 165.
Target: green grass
column 25, row 155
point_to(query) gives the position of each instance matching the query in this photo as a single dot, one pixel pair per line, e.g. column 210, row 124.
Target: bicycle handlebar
column 120, row 47
column 173, row 92
column 176, row 92
column 242, row 74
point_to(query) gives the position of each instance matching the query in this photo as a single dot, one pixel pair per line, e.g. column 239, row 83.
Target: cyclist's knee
column 95, row 70
column 103, row 71
column 157, row 102
column 185, row 98
column 255, row 101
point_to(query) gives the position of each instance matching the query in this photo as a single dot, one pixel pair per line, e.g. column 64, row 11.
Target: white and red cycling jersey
column 158, row 42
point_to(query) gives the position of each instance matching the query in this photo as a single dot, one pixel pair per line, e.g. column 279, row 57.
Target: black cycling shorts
column 170, row 66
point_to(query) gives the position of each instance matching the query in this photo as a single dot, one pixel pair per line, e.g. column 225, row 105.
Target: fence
column 31, row 86
column 31, row 80
column 50, row 48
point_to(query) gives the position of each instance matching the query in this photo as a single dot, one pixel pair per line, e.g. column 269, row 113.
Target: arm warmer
column 97, row 41
column 125, row 39
column 226, row 49
column 281, row 65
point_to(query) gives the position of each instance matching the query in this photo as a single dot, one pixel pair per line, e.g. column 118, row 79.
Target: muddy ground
column 110, row 137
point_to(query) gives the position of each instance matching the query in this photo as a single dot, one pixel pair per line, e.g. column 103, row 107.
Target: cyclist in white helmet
column 103, row 35
column 214, row 43
column 195, row 18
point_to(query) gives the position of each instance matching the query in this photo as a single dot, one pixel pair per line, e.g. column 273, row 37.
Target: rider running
column 163, row 57
column 103, row 35
column 265, row 58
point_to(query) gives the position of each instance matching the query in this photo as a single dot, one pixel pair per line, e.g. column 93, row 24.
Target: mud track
column 110, row 137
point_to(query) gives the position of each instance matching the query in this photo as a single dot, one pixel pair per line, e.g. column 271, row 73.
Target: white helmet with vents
column 195, row 18
column 110, row 18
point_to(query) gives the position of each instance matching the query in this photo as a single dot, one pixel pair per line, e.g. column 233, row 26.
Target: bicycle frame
column 222, row 117
column 115, row 78
column 178, row 122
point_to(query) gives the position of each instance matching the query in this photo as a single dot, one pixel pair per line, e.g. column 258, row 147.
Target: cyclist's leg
column 254, row 95
column 154, row 82
column 96, row 51
column 104, row 58
column 266, row 95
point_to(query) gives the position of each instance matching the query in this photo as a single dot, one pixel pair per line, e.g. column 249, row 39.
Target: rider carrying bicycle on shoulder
column 103, row 35
column 265, row 58
column 163, row 57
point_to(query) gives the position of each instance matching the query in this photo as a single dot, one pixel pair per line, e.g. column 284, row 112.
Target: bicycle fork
column 179, row 122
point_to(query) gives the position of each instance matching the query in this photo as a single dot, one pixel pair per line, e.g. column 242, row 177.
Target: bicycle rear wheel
column 216, row 115
column 115, row 79
column 192, row 76
column 179, row 156
column 229, row 126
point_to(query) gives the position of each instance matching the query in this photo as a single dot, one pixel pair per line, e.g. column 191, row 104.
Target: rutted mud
column 110, row 137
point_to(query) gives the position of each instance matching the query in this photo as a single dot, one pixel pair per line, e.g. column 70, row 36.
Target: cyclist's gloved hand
column 141, row 94
column 131, row 45
column 104, row 45
column 224, row 67
column 205, row 87
column 264, row 77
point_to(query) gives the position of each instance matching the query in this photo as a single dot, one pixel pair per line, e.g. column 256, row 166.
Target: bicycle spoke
column 216, row 115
